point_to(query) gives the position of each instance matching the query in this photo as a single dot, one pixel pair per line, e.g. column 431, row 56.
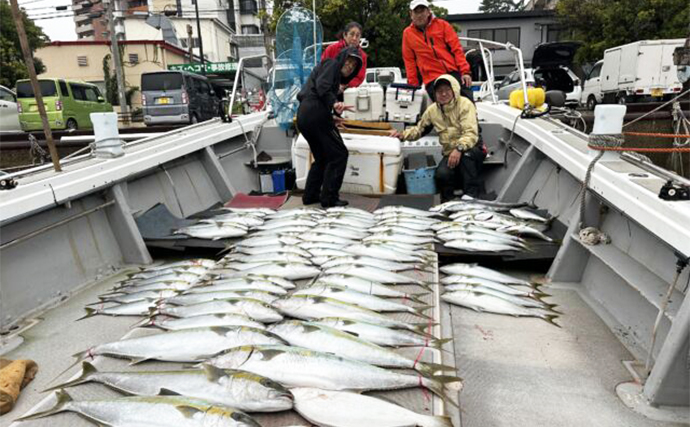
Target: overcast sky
column 63, row 28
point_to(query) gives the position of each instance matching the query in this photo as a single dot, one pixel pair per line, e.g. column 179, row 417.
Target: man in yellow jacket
column 455, row 119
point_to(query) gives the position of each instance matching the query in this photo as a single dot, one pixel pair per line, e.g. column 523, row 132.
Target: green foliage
column 12, row 66
column 383, row 22
column 496, row 6
column 603, row 24
column 110, row 81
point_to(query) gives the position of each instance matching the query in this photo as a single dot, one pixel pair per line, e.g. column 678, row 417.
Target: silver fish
column 515, row 299
column 199, row 344
column 199, row 297
column 255, row 309
column 291, row 271
column 404, row 210
column 246, row 220
column 268, row 240
column 138, row 296
column 309, row 246
column 372, row 302
column 324, row 338
column 378, row 251
column 208, row 263
column 297, row 367
column 373, row 262
column 204, row 321
column 270, row 257
column 178, row 411
column 476, row 270
column 196, row 270
column 138, row 308
column 343, row 232
column 404, row 238
column 507, row 288
column 309, row 307
column 271, row 249
column 169, row 277
column 382, row 335
column 213, row 231
column 522, row 213
column 374, row 274
column 251, row 211
column 365, row 286
column 492, row 304
column 400, row 229
column 243, row 284
column 275, row 224
column 347, row 409
column 241, row 390
column 525, row 230
column 480, row 246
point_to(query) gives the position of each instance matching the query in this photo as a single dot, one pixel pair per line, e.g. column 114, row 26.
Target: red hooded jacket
column 434, row 51
column 333, row 50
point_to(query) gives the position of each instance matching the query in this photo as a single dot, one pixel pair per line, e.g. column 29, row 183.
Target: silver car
column 9, row 116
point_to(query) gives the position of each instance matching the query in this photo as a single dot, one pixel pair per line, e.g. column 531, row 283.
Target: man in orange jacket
column 431, row 46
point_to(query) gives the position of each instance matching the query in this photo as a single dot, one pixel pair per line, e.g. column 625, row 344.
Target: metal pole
column 313, row 4
column 201, row 44
column 190, row 43
column 29, row 62
column 117, row 63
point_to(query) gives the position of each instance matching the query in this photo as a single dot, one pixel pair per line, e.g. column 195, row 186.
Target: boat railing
column 487, row 60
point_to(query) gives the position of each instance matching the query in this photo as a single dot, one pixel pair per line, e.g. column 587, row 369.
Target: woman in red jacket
column 351, row 36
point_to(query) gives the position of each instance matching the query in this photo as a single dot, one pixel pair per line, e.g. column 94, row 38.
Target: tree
column 496, row 6
column 383, row 22
column 602, row 24
column 11, row 58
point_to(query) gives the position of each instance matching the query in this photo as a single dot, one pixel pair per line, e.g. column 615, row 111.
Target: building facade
column 83, row 60
column 525, row 30
column 90, row 17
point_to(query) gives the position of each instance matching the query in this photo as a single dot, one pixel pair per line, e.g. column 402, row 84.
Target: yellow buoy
column 535, row 95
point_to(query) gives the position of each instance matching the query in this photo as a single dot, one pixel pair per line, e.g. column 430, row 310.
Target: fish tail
column 80, row 356
column 439, row 343
column 415, row 297
column 87, row 369
column 143, row 323
column 428, row 368
column 419, row 311
column 437, row 385
column 99, row 302
column 62, row 400
column 552, row 308
column 90, row 312
column 550, row 318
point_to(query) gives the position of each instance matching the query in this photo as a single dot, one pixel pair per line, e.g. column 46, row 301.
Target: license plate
column 162, row 100
column 657, row 92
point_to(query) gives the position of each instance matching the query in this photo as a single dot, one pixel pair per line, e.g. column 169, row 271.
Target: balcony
column 85, row 28
column 81, row 18
column 249, row 40
column 248, row 7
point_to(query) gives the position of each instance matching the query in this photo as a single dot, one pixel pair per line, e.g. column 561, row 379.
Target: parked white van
column 591, row 88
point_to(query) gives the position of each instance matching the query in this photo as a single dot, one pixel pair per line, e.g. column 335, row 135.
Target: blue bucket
column 279, row 181
column 420, row 181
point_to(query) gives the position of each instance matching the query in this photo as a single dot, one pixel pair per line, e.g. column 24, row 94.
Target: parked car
column 591, row 89
column 9, row 116
column 640, row 70
column 68, row 104
column 177, row 97
column 553, row 69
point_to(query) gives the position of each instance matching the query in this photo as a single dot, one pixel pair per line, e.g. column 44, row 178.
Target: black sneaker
column 307, row 201
column 338, row 203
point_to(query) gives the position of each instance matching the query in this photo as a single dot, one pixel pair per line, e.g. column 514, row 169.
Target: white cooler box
column 368, row 102
column 372, row 168
column 403, row 103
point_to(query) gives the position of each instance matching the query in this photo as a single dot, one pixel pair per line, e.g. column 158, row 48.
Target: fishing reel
column 674, row 191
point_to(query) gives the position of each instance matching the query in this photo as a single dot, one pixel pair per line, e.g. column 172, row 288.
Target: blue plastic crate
column 420, row 181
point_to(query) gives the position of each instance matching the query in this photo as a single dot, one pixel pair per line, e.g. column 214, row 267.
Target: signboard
column 211, row 67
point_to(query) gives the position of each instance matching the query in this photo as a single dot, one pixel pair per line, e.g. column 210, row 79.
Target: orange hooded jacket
column 434, row 51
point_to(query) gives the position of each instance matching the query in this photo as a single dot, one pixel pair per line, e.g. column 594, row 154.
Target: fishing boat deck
column 516, row 372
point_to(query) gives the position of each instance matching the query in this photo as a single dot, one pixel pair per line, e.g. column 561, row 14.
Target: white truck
column 643, row 69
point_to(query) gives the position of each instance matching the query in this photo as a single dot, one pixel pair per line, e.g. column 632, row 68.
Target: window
column 91, row 94
column 63, row 88
column 6, row 95
column 133, row 58
column 161, row 81
column 596, row 71
column 250, row 29
column 556, row 33
column 24, row 89
column 78, row 91
column 500, row 35
column 83, row 61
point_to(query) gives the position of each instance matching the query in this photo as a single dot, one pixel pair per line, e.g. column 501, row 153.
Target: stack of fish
column 483, row 289
column 232, row 223
column 230, row 315
column 486, row 226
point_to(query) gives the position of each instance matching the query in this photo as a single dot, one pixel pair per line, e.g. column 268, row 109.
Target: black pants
column 464, row 175
column 464, row 91
column 326, row 175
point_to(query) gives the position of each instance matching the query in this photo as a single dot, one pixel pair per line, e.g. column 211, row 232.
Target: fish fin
column 187, row 411
column 437, row 384
column 212, row 373
column 87, row 369
column 143, row 323
column 138, row 360
column 552, row 308
column 153, row 311
column 167, row 392
column 268, row 354
column 428, row 368
column 310, row 328
column 219, row 330
column 90, row 312
column 63, row 398
column 550, row 318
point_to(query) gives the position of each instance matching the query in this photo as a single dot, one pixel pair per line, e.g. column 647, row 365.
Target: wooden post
column 29, row 62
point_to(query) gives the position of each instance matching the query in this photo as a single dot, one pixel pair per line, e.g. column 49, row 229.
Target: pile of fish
column 476, row 225
column 486, row 290
column 301, row 302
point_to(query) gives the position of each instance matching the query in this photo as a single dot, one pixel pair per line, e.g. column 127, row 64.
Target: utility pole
column 29, row 62
column 198, row 30
column 190, row 43
column 115, row 53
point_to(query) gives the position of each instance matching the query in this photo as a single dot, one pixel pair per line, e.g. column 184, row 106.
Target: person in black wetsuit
column 316, row 121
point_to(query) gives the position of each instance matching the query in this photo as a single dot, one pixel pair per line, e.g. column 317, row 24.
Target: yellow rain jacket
column 455, row 122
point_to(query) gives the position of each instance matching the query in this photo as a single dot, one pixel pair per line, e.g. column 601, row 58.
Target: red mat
column 242, row 200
